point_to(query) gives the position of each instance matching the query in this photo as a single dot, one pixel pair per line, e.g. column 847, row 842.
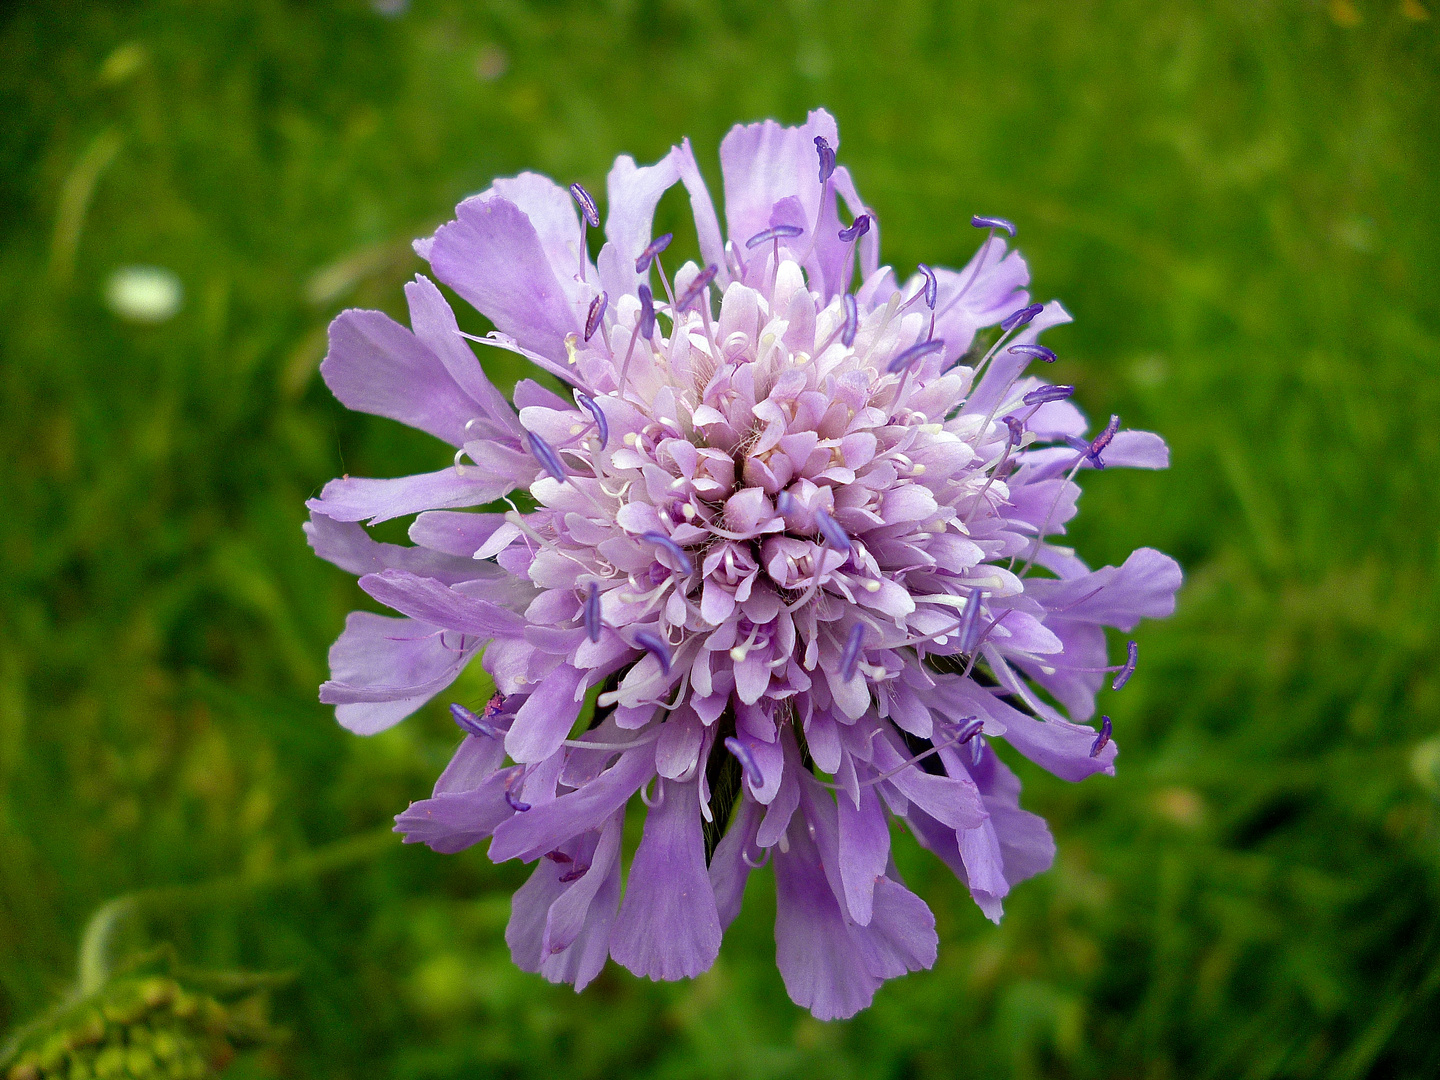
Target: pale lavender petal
column 433, row 602
column 358, row 499
column 348, row 546
column 375, row 365
column 543, row 722
column 764, row 163
column 1144, row 586
column 669, row 926
column 493, row 257
column 729, row 870
column 864, row 851
column 633, row 193
column 382, row 669
column 531, row 834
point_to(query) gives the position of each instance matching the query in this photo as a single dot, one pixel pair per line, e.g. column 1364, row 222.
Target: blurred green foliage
column 1240, row 201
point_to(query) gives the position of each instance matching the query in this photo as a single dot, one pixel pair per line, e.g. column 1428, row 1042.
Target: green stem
column 100, row 931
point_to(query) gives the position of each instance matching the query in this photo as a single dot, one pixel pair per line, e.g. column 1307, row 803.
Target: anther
column 1040, row 352
column 850, row 658
column 660, row 539
column 775, row 233
column 647, row 312
column 932, row 286
column 597, row 313
column 747, row 762
column 696, row 287
column 472, row 724
column 1102, row 738
column 516, row 773
column 827, row 157
column 1041, row 395
column 915, row 352
column 652, row 643
column 786, row 503
column 1132, row 657
column 852, row 320
column 969, row 731
column 1017, row 429
column 857, row 230
column 655, row 247
column 993, row 223
column 592, row 613
column 1021, row 318
column 587, row 204
column 547, row 457
column 599, row 414
column 967, row 623
column 1102, row 441
column 832, row 532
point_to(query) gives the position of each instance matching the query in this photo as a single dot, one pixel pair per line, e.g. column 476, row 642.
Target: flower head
column 797, row 533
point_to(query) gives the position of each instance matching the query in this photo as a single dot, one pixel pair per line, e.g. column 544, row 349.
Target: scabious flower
column 795, row 542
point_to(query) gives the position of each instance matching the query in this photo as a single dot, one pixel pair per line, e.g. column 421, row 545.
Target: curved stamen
column 1040, row 352
column 659, row 794
column 655, row 645
column 992, row 223
column 1041, row 395
column 776, row 232
column 1132, row 657
column 850, row 658
column 516, row 773
column 599, row 414
column 1020, row 318
column 1017, row 434
column 593, row 625
column 764, row 858
column 852, row 320
column 686, row 566
column 932, row 286
column 855, row 231
column 747, row 761
column 597, row 313
column 547, row 457
column 587, row 204
column 655, row 247
column 1102, row 441
column 1101, row 739
column 827, row 157
column 696, row 287
column 588, row 744
column 903, row 361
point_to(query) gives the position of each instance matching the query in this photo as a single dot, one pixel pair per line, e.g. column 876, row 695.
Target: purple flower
column 798, row 518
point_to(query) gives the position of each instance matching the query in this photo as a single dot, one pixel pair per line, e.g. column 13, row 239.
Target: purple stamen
column 832, row 532
column 932, row 286
column 597, row 313
column 915, row 352
column 599, row 414
column 786, row 503
column 857, row 230
column 558, row 856
column 1092, row 451
column 593, row 625
column 1021, row 317
column 587, row 204
column 1040, row 352
column 968, row 620
column 696, row 287
column 655, row 247
column 747, row 762
column 1017, row 429
column 993, row 223
column 647, row 312
column 970, row 730
column 850, row 658
column 575, row 873
column 468, row 722
column 852, row 320
column 776, row 233
column 686, row 567
column 1041, row 395
column 516, row 773
column 1132, row 657
column 652, row 643
column 1102, row 738
column 547, row 457
column 827, row 157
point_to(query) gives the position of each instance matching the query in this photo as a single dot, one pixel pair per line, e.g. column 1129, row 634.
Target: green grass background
column 1240, row 202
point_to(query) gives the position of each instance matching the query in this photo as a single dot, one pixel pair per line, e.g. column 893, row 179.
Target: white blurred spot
column 490, row 63
column 144, row 294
